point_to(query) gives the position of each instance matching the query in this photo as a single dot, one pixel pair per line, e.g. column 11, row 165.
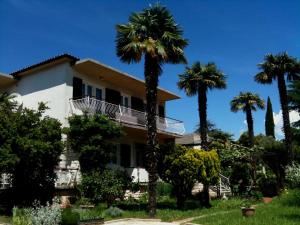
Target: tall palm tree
column 294, row 96
column 197, row 80
column 280, row 67
column 153, row 35
column 247, row 102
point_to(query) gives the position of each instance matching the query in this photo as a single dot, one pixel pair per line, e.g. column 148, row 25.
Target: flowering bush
column 293, row 175
column 38, row 215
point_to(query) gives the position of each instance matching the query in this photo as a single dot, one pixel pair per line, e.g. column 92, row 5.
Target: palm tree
column 197, row 80
column 247, row 102
column 294, row 96
column 153, row 35
column 280, row 67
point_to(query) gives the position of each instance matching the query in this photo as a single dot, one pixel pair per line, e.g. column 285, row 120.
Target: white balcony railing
column 123, row 114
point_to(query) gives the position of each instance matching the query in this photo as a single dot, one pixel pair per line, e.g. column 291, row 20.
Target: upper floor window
column 161, row 111
column 83, row 90
column 98, row 94
column 125, row 101
column 90, row 91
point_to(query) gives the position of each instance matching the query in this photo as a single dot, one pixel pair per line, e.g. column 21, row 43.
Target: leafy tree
column 269, row 120
column 153, row 35
column 178, row 168
column 183, row 167
column 273, row 154
column 244, row 139
column 247, row 102
column 216, row 136
column 30, row 146
column 91, row 136
column 197, row 80
column 280, row 67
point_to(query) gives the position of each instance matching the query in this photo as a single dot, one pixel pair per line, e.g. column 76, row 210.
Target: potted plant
column 248, row 210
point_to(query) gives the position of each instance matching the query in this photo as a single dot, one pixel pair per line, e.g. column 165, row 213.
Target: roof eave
column 173, row 96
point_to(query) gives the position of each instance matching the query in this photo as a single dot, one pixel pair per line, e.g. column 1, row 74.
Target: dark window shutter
column 137, row 104
column 77, row 87
column 161, row 111
column 112, row 96
column 125, row 154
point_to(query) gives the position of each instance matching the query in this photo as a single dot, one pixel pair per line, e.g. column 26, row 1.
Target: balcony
column 123, row 114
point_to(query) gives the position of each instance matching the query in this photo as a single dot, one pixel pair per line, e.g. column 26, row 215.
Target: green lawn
column 171, row 214
column 4, row 219
column 284, row 210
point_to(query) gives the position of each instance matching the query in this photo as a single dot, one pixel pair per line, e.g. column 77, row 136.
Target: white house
column 70, row 85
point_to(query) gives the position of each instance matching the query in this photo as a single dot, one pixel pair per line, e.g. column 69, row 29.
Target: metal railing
column 124, row 114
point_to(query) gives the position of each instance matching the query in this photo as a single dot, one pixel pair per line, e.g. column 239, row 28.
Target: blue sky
column 235, row 34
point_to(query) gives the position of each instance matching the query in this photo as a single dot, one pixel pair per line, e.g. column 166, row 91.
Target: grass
column 283, row 210
column 5, row 219
column 170, row 213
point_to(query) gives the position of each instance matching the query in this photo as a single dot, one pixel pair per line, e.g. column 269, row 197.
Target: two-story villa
column 70, row 86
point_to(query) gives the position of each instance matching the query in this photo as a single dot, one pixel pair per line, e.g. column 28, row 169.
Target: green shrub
column 104, row 186
column 69, row 217
column 113, row 212
column 240, row 178
column 21, row 216
column 164, row 189
column 268, row 185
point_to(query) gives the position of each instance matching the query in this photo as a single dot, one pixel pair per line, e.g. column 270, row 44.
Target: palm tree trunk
column 151, row 80
column 285, row 117
column 202, row 104
column 251, row 141
column 250, row 125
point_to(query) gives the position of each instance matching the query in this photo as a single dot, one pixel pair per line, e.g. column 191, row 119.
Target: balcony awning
column 100, row 71
column 6, row 80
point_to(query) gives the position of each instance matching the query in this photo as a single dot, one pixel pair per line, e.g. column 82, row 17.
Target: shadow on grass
column 168, row 204
column 292, row 217
column 291, row 199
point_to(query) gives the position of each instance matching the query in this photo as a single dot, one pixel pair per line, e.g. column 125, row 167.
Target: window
column 125, row 101
column 98, row 94
column 137, row 104
column 161, row 111
column 112, row 96
column 140, row 154
column 125, row 153
column 77, row 87
column 113, row 155
column 83, row 90
column 90, row 91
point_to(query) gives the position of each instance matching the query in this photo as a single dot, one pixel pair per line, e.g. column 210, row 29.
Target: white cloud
column 294, row 116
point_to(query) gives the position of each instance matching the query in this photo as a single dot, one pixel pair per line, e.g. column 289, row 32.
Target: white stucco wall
column 48, row 86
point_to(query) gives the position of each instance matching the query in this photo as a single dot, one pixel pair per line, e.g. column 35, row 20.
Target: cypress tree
column 269, row 120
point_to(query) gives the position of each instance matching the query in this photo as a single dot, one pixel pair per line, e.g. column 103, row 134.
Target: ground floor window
column 113, row 156
column 125, row 155
column 140, row 154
